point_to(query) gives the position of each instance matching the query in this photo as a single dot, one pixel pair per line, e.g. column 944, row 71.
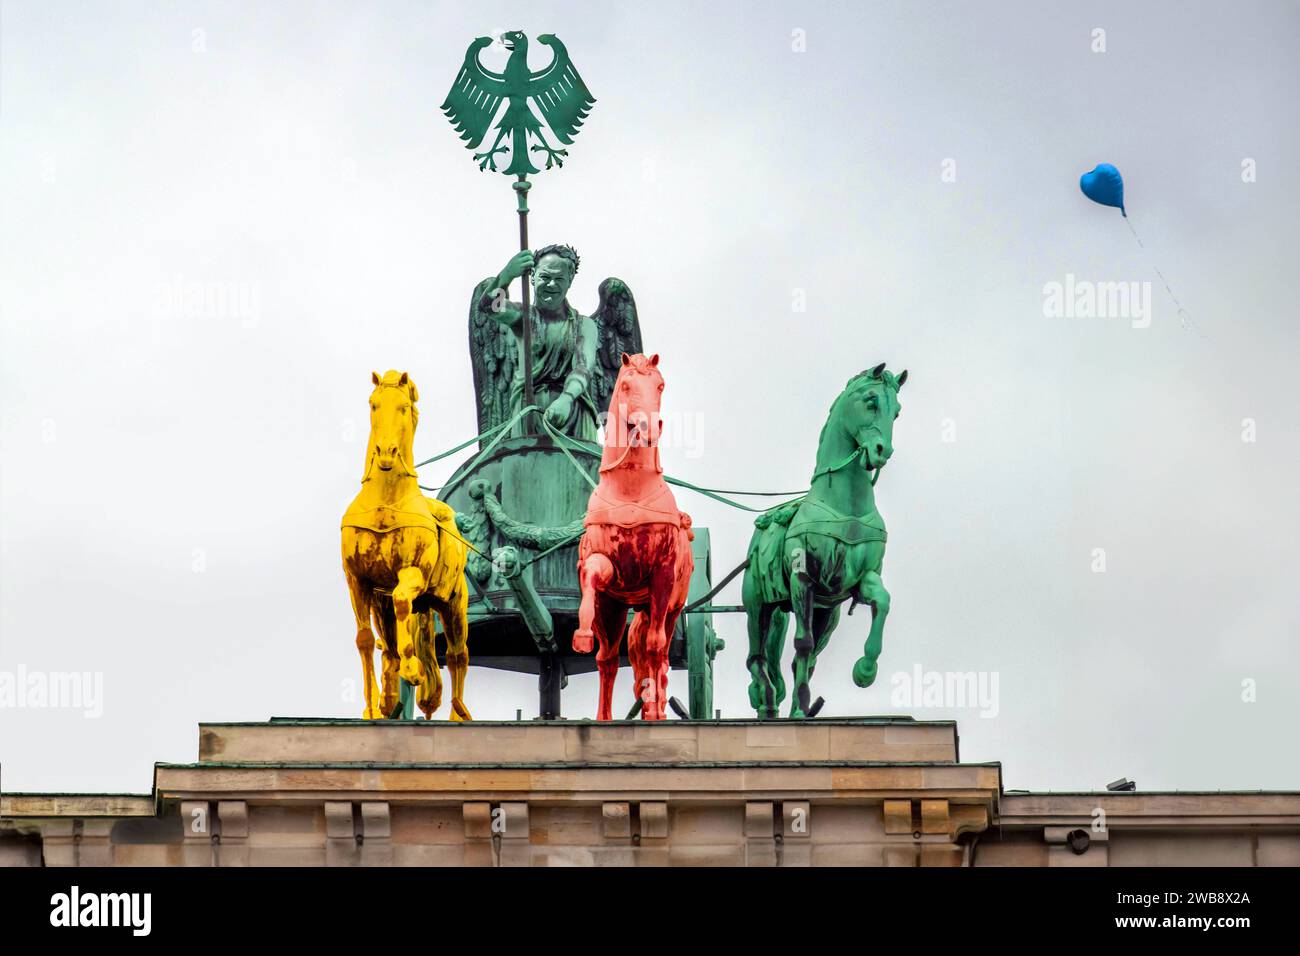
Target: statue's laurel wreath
column 564, row 252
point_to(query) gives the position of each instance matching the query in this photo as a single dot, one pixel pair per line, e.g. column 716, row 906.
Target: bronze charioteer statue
column 575, row 357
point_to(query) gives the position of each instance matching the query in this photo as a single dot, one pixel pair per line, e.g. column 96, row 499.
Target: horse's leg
column 648, row 691
column 643, row 687
column 594, row 574
column 361, row 608
column 654, row 652
column 392, row 684
column 758, row 619
column 801, row 604
column 455, row 623
column 429, row 698
column 824, row 620
column 612, row 619
column 873, row 593
column 410, row 585
column 773, row 648
column 670, row 627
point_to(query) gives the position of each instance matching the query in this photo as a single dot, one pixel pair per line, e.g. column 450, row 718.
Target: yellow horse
column 404, row 562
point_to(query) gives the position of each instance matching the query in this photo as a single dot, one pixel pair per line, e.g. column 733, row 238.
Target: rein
column 860, row 452
column 627, row 450
column 406, row 469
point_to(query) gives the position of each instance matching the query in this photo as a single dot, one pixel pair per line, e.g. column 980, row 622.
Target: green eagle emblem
column 557, row 91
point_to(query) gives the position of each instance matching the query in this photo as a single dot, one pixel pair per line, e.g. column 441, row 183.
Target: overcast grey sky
column 173, row 477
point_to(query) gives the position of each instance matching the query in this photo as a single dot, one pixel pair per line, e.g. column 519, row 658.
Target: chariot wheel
column 702, row 642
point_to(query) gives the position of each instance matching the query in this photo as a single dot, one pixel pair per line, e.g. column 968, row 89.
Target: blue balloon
column 1104, row 185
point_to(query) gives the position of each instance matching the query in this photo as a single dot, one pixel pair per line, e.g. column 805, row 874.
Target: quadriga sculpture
column 404, row 562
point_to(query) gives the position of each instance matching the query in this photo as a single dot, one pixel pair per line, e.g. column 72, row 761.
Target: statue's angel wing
column 492, row 355
column 617, row 331
column 474, row 97
column 560, row 93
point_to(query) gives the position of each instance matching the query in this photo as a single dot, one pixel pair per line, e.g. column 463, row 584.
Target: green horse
column 809, row 556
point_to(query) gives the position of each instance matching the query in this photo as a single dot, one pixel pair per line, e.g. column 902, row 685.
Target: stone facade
column 865, row 792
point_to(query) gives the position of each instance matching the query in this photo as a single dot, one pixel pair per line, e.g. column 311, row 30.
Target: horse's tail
column 429, row 698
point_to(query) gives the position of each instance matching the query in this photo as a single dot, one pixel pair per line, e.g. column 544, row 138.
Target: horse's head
column 867, row 409
column 634, row 420
column 393, row 418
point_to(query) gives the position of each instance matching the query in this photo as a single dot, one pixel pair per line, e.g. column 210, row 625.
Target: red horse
column 636, row 551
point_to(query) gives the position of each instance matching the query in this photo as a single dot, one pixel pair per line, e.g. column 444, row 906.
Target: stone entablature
column 871, row 792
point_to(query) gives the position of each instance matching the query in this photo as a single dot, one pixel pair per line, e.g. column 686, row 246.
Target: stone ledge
column 1152, row 809
column 77, row 805
column 579, row 742
column 975, row 782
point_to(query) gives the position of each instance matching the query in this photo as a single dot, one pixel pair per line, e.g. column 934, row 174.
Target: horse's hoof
column 582, row 642
column 459, row 712
column 864, row 672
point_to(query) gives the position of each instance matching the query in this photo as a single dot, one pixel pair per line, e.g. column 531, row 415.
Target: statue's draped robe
column 564, row 351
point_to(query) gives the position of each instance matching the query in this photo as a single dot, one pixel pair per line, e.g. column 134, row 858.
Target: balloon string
column 1183, row 315
column 1135, row 232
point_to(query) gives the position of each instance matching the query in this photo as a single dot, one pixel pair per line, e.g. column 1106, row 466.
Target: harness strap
column 861, row 451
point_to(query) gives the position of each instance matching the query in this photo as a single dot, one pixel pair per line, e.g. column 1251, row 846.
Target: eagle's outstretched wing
column 474, row 97
column 617, row 331
column 560, row 93
column 492, row 355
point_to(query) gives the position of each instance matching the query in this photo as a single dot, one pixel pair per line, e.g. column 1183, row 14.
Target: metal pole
column 550, row 679
column 521, row 190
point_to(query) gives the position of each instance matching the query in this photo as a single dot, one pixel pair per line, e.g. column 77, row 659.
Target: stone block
column 759, row 820
column 898, row 817
column 702, row 855
column 478, row 821
column 654, row 821
column 616, row 822
column 233, row 818
column 796, row 820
